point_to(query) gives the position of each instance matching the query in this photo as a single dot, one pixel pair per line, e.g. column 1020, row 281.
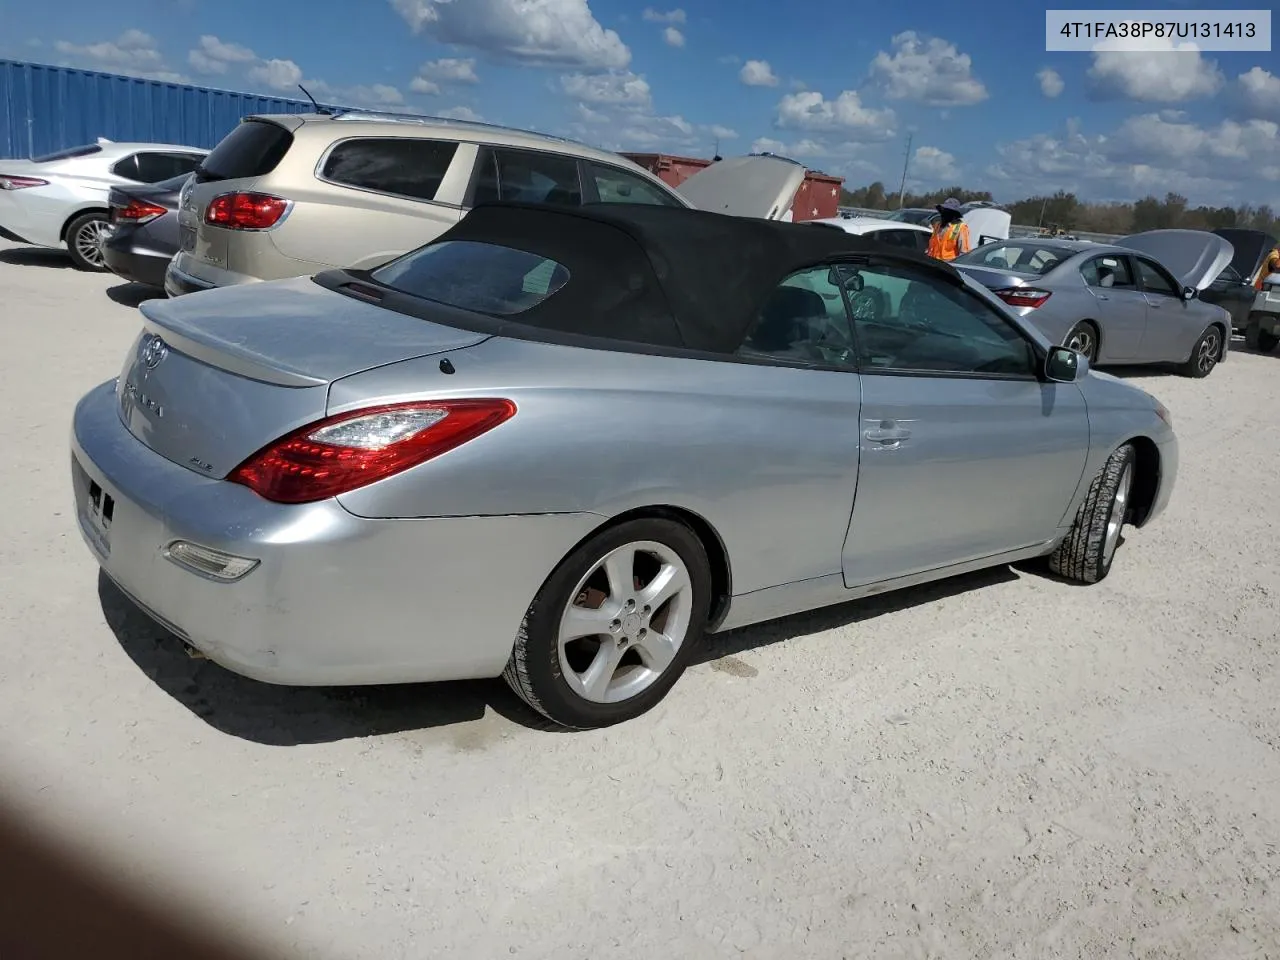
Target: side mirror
column 1063, row 365
column 1188, row 293
column 845, row 276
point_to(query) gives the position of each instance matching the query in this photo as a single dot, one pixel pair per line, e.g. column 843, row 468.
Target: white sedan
column 896, row 232
column 61, row 199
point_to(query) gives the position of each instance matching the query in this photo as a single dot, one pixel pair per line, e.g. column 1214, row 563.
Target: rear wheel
column 1085, row 554
column 1204, row 355
column 85, row 237
column 1255, row 338
column 614, row 626
column 1083, row 338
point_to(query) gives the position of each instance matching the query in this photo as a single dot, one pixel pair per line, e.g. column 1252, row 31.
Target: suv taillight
column 245, row 211
column 347, row 451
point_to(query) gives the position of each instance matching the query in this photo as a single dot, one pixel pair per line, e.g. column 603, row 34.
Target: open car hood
column 1250, row 246
column 759, row 186
column 988, row 222
column 1195, row 257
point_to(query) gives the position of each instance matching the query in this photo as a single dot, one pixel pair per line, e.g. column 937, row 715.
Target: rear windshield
column 253, row 149
column 68, row 154
column 483, row 277
column 1033, row 258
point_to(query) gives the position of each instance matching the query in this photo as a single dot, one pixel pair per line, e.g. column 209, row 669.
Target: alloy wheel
column 1119, row 510
column 89, row 240
column 626, row 622
column 1207, row 355
column 1081, row 342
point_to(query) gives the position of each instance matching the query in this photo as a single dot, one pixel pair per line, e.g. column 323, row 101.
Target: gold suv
column 291, row 195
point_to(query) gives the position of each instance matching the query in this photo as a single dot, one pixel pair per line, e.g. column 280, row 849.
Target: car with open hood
column 1252, row 300
column 1134, row 301
column 285, row 196
column 563, row 444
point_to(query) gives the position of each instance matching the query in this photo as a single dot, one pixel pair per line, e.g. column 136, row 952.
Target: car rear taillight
column 9, row 182
column 1022, row 296
column 347, row 451
column 137, row 211
column 245, row 211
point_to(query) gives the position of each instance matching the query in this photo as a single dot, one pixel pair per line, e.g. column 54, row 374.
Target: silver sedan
column 1133, row 302
column 561, row 446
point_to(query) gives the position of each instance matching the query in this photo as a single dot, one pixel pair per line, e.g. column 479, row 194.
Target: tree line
column 1067, row 212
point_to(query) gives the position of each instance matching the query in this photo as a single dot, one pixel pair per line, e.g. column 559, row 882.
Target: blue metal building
column 44, row 108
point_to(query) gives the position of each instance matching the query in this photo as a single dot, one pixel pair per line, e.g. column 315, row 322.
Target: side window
column 619, row 186
column 127, row 167
column 1106, row 272
column 154, row 167
column 802, row 323
column 1154, row 279
column 398, row 166
column 527, row 176
column 907, row 321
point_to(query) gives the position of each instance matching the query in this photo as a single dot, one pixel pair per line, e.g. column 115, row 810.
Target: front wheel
column 1204, row 355
column 1085, row 554
column 614, row 626
column 85, row 237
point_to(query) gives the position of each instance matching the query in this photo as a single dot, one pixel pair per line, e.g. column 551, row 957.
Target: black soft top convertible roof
column 664, row 276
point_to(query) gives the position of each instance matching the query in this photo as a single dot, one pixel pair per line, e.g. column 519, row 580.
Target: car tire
column 1086, row 552
column 586, row 680
column 1204, row 355
column 84, row 234
column 1085, row 334
column 1255, row 338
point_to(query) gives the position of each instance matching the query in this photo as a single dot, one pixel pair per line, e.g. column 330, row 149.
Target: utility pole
column 906, row 162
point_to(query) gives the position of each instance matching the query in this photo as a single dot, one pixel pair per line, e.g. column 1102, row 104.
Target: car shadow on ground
column 1145, row 371
column 291, row 716
column 134, row 294
column 36, row 257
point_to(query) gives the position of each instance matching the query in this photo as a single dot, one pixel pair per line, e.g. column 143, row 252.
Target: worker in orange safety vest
column 1269, row 266
column 950, row 234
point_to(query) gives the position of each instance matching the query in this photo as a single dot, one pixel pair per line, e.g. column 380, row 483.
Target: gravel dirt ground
column 995, row 766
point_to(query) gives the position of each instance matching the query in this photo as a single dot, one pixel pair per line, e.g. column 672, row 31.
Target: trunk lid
column 1251, row 246
column 1195, row 257
column 757, row 186
column 216, row 376
column 997, row 279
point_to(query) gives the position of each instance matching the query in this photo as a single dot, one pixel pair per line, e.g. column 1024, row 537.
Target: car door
column 1233, row 293
column 1121, row 308
column 1172, row 325
column 965, row 452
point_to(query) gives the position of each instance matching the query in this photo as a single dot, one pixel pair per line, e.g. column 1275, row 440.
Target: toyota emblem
column 151, row 351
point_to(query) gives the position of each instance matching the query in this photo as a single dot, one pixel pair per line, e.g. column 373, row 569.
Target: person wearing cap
column 950, row 234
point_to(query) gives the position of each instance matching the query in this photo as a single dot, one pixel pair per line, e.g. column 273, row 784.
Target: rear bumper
column 134, row 265
column 176, row 282
column 335, row 598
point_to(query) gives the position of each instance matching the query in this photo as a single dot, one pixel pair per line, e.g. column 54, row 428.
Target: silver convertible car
column 1133, row 302
column 561, row 445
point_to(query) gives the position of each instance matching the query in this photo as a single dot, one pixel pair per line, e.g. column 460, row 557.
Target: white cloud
column 277, row 74
column 758, row 73
column 214, row 56
column 424, row 86
column 450, row 70
column 586, row 115
column 615, row 87
column 810, row 110
column 673, row 37
column 928, row 70
column 461, row 113
column 796, row 151
column 1051, row 84
column 133, row 52
column 931, row 163
column 1230, row 162
column 1258, row 92
column 722, row 133
column 669, row 16
column 535, row 32
column 1160, row 73
column 376, row 96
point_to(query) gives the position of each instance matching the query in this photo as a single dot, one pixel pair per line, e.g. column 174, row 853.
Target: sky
column 838, row 85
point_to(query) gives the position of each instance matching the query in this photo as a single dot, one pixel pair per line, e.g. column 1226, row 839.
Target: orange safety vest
column 949, row 242
column 1269, row 266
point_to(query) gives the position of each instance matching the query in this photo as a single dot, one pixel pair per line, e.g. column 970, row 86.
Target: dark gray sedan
column 1133, row 302
column 144, row 230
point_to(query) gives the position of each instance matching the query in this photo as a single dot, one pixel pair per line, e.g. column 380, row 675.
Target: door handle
column 887, row 436
column 1102, row 296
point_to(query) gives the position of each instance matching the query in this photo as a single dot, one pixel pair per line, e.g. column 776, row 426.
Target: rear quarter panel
column 766, row 455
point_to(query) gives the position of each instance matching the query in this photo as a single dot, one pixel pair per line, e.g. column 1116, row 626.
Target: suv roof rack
column 388, row 116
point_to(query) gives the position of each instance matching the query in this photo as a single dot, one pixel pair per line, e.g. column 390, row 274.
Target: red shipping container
column 817, row 197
